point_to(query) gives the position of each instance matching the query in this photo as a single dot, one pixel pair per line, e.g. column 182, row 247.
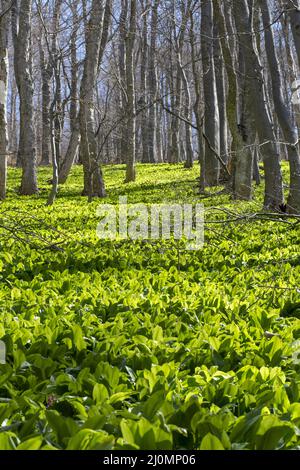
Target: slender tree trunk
column 13, row 133
column 175, row 91
column 188, row 115
column 152, row 81
column 221, row 94
column 74, row 68
column 212, row 167
column 21, row 27
column 54, row 189
column 144, row 92
column 122, row 79
column 73, row 146
column 197, row 104
column 46, row 74
column 4, row 24
column 293, row 7
column 93, row 178
column 256, row 174
column 242, row 163
column 71, row 154
column 240, row 186
column 258, row 109
column 283, row 112
column 130, row 88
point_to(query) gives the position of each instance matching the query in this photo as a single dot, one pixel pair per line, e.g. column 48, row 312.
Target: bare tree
column 212, row 168
column 257, row 107
column 293, row 8
column 130, row 94
column 96, row 32
column 152, row 80
column 4, row 27
column 21, row 31
column 283, row 112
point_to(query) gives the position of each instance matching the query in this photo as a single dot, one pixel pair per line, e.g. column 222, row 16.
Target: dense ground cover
column 143, row 345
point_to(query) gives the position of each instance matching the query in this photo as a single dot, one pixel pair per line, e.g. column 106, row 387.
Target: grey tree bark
column 293, row 7
column 197, row 103
column 175, row 83
column 189, row 157
column 283, row 112
column 74, row 141
column 21, row 31
column 122, row 80
column 4, row 27
column 93, row 177
column 152, row 86
column 211, row 112
column 258, row 108
column 56, row 105
column 221, row 94
column 130, row 92
column 71, row 154
column 144, row 92
column 46, row 74
column 241, row 186
column 13, row 127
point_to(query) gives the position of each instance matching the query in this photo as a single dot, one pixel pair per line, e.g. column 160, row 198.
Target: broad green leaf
column 211, row 442
column 34, row 443
column 100, row 393
column 87, row 439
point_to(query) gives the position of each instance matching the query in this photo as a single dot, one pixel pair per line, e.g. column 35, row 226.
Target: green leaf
column 63, row 427
column 119, row 397
column 100, row 393
column 78, row 340
column 31, row 444
column 8, row 441
column 264, row 373
column 153, row 404
column 272, row 433
column 126, row 432
column 88, row 439
column 211, row 442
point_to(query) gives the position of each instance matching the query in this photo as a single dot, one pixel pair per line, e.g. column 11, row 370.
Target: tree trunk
column 46, row 74
column 258, row 109
column 283, row 112
column 130, row 88
column 13, row 129
column 221, row 94
column 73, row 146
column 122, row 79
column 212, row 167
column 242, row 164
column 21, row 27
column 152, row 81
column 71, row 154
column 293, row 7
column 4, row 24
column 144, row 93
column 93, row 178
column 197, row 104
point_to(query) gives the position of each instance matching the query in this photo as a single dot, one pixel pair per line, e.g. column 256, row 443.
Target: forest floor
column 145, row 345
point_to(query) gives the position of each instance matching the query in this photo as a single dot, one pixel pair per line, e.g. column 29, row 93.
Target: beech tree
column 21, row 32
column 257, row 106
column 97, row 31
column 119, row 81
column 290, row 133
column 4, row 28
column 211, row 111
